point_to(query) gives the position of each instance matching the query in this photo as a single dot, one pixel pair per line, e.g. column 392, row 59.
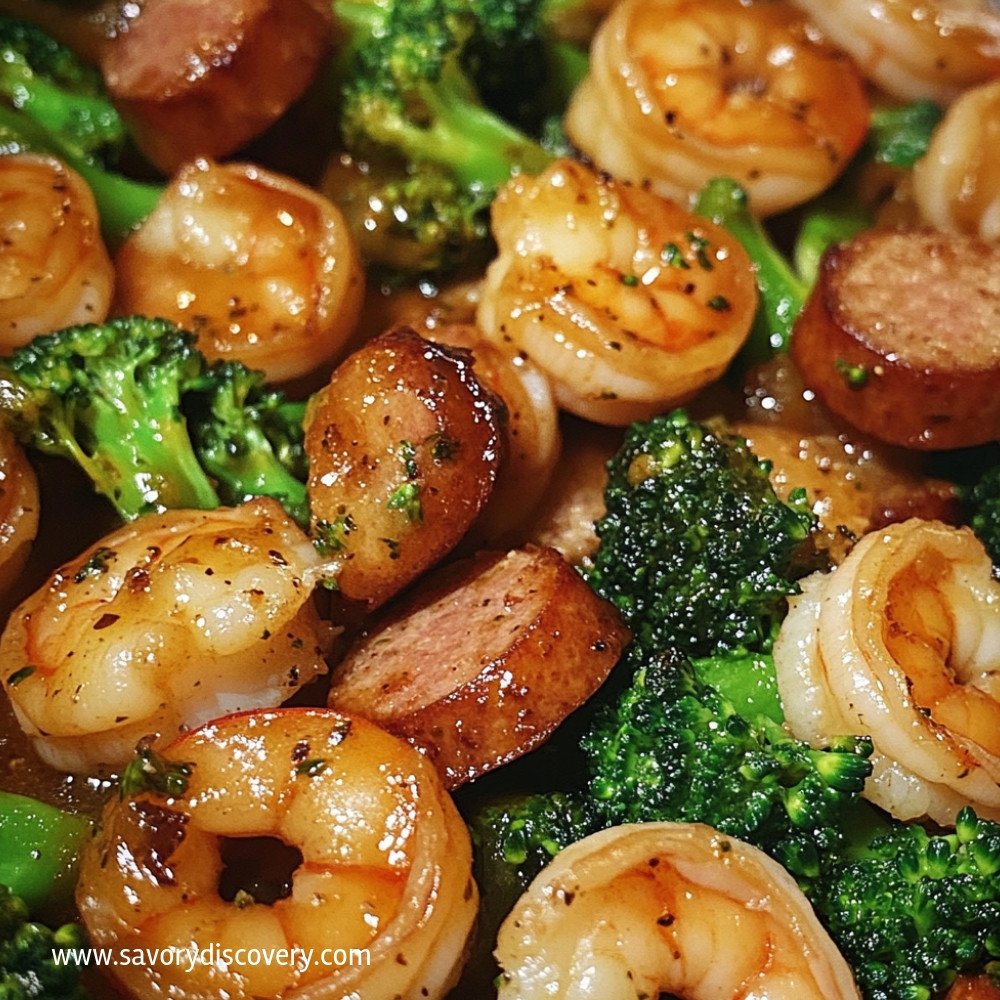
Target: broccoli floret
column 674, row 748
column 39, row 847
column 695, row 545
column 910, row 911
column 983, row 498
column 108, row 397
column 412, row 95
column 514, row 837
column 418, row 77
column 54, row 103
column 235, row 423
column 28, row 970
column 414, row 220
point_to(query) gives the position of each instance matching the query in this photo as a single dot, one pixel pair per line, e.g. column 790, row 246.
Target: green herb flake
column 150, row 772
column 331, row 536
column 629, row 280
column 719, row 303
column 243, row 899
column 672, row 257
column 310, row 768
column 21, row 675
column 95, row 565
column 406, row 497
column 700, row 247
column 854, row 376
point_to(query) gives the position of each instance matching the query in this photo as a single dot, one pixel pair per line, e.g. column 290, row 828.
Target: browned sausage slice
column 404, row 447
column 483, row 664
column 202, row 77
column 901, row 337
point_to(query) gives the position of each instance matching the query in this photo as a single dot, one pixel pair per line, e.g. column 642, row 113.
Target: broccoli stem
column 820, row 230
column 121, row 203
column 144, row 462
column 782, row 292
column 480, row 149
column 39, row 847
column 900, row 136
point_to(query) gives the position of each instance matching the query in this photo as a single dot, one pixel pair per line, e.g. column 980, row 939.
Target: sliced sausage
column 201, row 77
column 483, row 664
column 404, row 447
column 901, row 337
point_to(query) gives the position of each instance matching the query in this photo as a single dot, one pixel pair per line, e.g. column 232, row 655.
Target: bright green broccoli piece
column 51, row 102
column 436, row 94
column 900, row 135
column 39, row 846
column 782, row 291
column 910, row 911
column 983, row 499
column 235, row 424
column 108, row 397
column 696, row 547
column 28, row 968
column 412, row 95
column 513, row 837
column 673, row 748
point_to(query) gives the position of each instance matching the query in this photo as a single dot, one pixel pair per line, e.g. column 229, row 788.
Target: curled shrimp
column 902, row 643
column 956, row 185
column 54, row 269
column 627, row 302
column 681, row 91
column 260, row 267
column 913, row 49
column 667, row 908
column 169, row 621
column 332, row 838
column 18, row 510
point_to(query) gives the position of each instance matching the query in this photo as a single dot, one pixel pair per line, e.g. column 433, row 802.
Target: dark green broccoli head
column 28, row 970
column 415, row 220
column 696, row 548
column 410, row 93
column 911, row 910
column 675, row 749
column 108, row 398
column 240, row 431
column 984, row 503
column 47, row 82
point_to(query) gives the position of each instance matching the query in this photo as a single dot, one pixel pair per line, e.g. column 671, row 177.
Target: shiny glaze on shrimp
column 18, row 511
column 378, row 862
column 628, row 302
column 902, row 643
column 166, row 622
column 956, row 185
column 914, row 49
column 54, row 269
column 260, row 267
column 681, row 91
column 667, row 908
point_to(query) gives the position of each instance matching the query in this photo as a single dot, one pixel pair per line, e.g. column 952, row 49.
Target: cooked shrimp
column 261, row 267
column 627, row 302
column 332, row 838
column 18, row 510
column 54, row 269
column 956, row 185
column 667, row 908
column 915, row 49
column 902, row 643
column 681, row 91
column 169, row 621
column 531, row 433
